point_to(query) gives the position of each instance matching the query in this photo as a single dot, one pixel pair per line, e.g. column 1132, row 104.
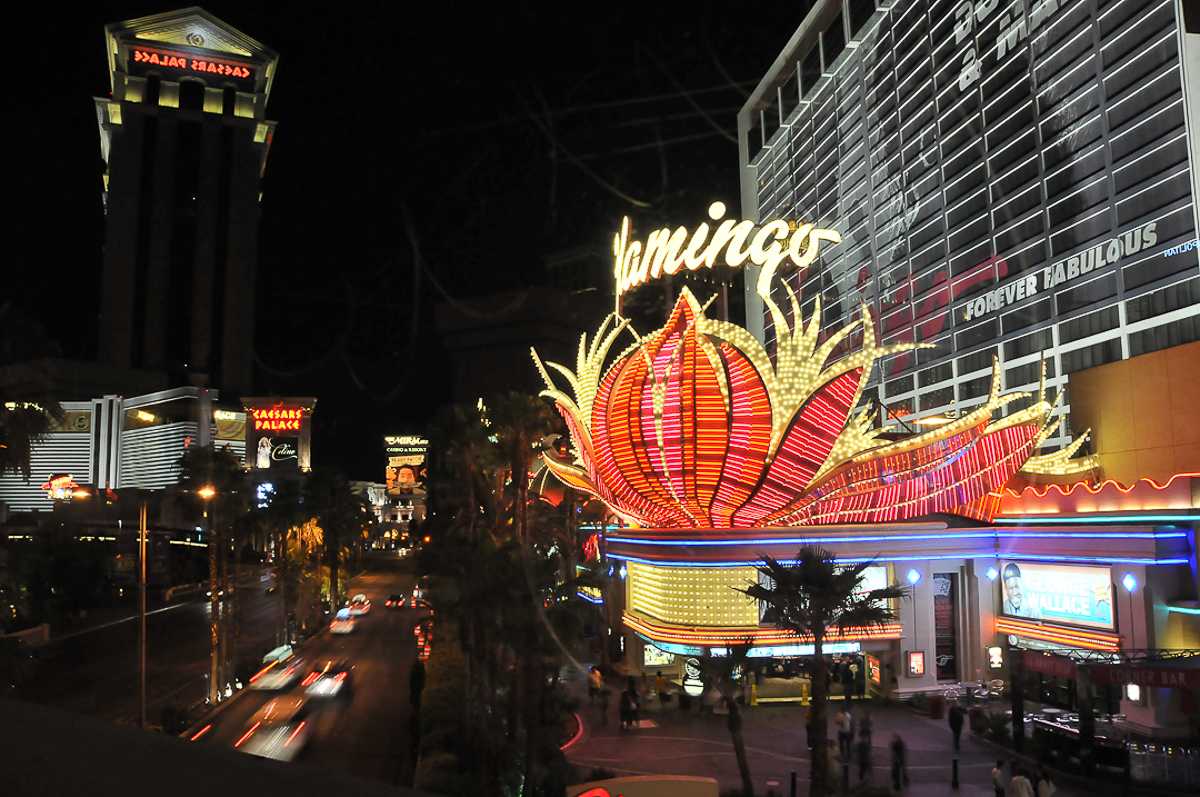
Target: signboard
column 168, row 61
column 1055, row 666
column 945, row 625
column 406, row 464
column 916, row 663
column 1160, row 677
column 277, row 452
column 1067, row 594
column 277, row 419
column 60, row 486
column 73, row 421
column 692, row 684
column 653, row 657
column 995, row 658
column 873, row 671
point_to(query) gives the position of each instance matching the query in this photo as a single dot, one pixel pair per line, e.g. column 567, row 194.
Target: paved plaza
column 672, row 742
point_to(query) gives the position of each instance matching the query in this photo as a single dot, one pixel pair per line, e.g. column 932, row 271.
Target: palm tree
column 216, row 477
column 812, row 598
column 520, row 422
column 23, row 423
column 342, row 518
column 723, row 671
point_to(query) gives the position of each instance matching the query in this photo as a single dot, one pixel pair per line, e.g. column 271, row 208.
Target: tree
column 23, row 423
column 812, row 598
column 341, row 516
column 216, row 482
column 723, row 671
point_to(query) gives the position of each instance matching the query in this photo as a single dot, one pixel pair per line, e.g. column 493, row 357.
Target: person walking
column 663, row 688
column 956, row 723
column 1020, row 785
column 866, row 726
column 900, row 762
column 998, row 777
column 595, row 684
column 629, row 706
column 1045, row 787
column 863, row 749
column 848, row 681
column 845, row 736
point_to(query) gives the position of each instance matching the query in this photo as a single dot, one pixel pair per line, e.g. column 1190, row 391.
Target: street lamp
column 207, row 492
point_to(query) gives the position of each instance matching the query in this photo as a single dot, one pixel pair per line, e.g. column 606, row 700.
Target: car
column 343, row 623
column 278, row 730
column 395, row 602
column 279, row 674
column 328, row 679
column 359, row 605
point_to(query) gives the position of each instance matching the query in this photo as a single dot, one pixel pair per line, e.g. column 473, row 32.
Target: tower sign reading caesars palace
column 695, row 426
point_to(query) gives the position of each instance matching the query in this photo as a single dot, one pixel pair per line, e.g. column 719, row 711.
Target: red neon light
column 1069, row 637
column 759, row 636
column 278, row 419
column 208, row 66
column 681, row 433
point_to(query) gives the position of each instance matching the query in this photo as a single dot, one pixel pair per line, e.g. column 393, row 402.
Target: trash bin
column 937, row 707
column 977, row 713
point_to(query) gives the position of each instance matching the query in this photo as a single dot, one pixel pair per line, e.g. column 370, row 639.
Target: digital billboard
column 1005, row 175
column 1066, row 594
column 405, row 464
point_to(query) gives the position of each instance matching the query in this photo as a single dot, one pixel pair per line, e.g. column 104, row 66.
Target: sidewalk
column 671, row 742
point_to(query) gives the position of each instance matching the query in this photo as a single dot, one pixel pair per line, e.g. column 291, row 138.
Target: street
column 95, row 673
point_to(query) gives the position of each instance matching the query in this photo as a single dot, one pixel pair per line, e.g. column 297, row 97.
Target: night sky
column 472, row 124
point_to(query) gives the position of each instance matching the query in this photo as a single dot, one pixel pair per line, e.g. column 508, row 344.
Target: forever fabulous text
column 666, row 252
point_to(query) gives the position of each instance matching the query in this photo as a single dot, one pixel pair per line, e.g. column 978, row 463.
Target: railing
column 1156, row 763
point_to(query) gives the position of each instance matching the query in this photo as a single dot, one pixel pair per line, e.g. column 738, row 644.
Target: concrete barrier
column 38, row 635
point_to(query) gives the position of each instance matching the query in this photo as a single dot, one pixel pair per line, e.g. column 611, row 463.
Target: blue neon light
column 1182, row 610
column 1101, row 519
column 590, row 599
column 921, row 558
column 1117, row 534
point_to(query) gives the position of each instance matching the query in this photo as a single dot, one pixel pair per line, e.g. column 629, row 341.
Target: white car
column 343, row 623
column 359, row 605
column 278, row 730
column 328, row 679
column 279, row 674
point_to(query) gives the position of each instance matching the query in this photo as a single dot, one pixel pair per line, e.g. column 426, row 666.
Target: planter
column 937, row 707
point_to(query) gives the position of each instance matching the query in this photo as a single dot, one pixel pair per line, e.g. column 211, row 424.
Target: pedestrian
column 416, row 683
column 860, row 679
column 663, row 688
column 956, row 723
column 848, row 681
column 1020, row 785
column 866, row 726
column 595, row 684
column 845, row 737
column 808, row 727
column 899, row 762
column 635, row 717
column 864, row 757
column 603, row 697
column 628, row 702
column 998, row 777
column 1045, row 787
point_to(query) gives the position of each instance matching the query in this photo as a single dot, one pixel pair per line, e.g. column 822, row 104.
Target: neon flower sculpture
column 694, row 426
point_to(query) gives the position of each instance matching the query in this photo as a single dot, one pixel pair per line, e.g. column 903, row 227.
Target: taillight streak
column 203, row 731
column 311, row 677
column 293, row 736
column 247, row 736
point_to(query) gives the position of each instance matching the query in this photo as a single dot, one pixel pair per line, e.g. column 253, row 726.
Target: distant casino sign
column 278, row 419
column 209, row 66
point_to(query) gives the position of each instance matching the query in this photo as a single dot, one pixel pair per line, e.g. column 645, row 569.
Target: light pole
column 142, row 615
column 214, row 677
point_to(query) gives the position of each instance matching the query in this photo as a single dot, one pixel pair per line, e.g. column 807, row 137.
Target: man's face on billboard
column 1012, row 586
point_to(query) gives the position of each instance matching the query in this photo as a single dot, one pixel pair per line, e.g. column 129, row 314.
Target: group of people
column 633, row 696
column 1019, row 783
column 850, row 672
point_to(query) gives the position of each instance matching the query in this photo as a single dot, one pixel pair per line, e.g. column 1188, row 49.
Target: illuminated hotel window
column 974, row 388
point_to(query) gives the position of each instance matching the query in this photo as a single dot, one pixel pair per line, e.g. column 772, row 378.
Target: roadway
column 94, row 672
column 364, row 733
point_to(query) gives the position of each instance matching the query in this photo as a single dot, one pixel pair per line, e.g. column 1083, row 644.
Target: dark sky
column 473, row 123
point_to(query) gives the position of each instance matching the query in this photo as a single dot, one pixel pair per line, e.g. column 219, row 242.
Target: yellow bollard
column 754, row 694
column 804, row 692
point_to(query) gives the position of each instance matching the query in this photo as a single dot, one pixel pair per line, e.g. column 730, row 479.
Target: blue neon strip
column 589, row 599
column 1101, row 519
column 1182, row 610
column 922, row 558
column 1006, row 535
